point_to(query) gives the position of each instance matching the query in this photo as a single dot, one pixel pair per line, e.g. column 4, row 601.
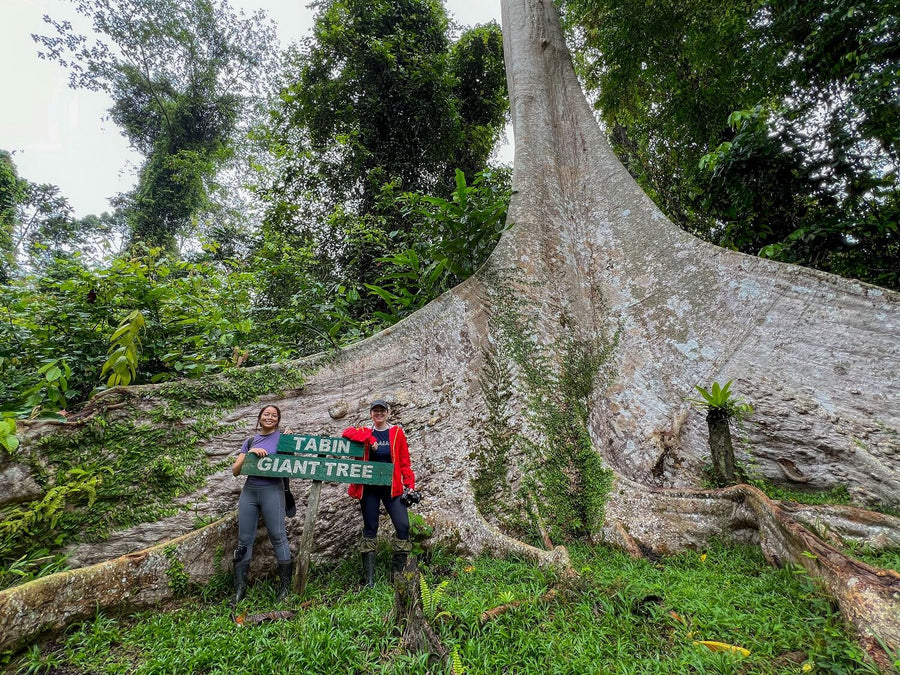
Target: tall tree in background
column 376, row 102
column 180, row 73
column 767, row 126
column 10, row 196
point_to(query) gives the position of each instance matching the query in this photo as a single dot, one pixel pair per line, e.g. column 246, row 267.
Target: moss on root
column 563, row 490
column 127, row 466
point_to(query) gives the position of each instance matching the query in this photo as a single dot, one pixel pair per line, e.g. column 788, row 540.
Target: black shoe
column 240, row 580
column 368, row 565
column 285, row 578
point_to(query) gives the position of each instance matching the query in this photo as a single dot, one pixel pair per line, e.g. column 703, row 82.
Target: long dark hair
column 259, row 416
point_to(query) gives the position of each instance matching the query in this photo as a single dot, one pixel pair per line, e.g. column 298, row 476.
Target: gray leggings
column 268, row 499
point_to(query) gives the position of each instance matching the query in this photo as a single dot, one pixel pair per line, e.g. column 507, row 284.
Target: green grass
column 614, row 619
column 886, row 559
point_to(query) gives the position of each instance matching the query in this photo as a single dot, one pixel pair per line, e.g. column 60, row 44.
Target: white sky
column 58, row 135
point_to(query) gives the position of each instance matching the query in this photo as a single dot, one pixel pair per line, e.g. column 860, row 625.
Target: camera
column 410, row 497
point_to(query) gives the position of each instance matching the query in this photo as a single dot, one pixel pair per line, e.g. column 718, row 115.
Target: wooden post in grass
column 319, row 458
column 298, row 584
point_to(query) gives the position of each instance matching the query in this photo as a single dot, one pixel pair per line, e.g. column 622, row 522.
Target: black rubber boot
column 368, row 565
column 285, row 578
column 398, row 563
column 240, row 580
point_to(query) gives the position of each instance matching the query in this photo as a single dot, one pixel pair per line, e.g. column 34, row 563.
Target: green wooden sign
column 319, row 445
column 319, row 468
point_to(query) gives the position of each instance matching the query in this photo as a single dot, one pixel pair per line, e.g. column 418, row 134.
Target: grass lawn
column 620, row 616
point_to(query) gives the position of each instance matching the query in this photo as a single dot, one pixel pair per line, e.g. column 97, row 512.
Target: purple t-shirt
column 269, row 442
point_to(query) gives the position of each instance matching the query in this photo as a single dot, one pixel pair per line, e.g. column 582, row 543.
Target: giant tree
column 546, row 397
column 181, row 73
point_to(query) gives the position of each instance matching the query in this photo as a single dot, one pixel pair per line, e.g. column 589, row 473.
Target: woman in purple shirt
column 261, row 495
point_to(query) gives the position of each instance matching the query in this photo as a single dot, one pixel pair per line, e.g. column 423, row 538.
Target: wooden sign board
column 319, row 468
column 319, row 445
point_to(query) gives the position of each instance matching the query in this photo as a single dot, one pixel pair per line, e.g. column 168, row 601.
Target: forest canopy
column 766, row 126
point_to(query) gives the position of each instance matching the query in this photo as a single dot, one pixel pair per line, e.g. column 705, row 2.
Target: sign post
column 318, row 458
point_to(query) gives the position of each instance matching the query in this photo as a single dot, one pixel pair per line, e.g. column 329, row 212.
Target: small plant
column 8, row 439
column 50, row 391
column 35, row 662
column 431, row 598
column 179, row 580
column 721, row 406
column 456, row 665
column 122, row 358
column 419, row 533
column 32, row 565
column 39, row 518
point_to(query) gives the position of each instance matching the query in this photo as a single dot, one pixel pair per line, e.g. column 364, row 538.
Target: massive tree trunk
column 593, row 281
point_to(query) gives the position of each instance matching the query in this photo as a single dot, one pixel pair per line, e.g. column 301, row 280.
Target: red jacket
column 403, row 473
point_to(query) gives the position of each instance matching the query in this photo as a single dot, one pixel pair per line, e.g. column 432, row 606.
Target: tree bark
column 721, row 449
column 590, row 256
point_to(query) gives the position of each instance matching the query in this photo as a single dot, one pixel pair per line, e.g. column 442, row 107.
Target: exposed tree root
column 638, row 519
column 840, row 525
column 135, row 580
column 628, row 542
column 492, row 614
column 666, row 521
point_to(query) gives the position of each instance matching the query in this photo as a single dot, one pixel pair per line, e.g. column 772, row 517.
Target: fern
column 42, row 516
column 456, row 666
column 431, row 598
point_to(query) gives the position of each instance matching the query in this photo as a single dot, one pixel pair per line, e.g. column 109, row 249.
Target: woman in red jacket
column 383, row 443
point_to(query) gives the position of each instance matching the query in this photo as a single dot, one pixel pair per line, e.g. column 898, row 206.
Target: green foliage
column 456, row 664
column 421, row 108
column 888, row 559
column 10, row 197
column 32, row 565
column 614, row 619
column 721, row 402
column 37, row 661
column 8, row 439
column 180, row 73
column 196, row 318
column 179, row 580
column 490, row 487
column 563, row 492
column 123, row 351
column 766, row 126
column 419, row 534
column 452, row 238
column 33, row 521
column 836, row 495
column 431, row 598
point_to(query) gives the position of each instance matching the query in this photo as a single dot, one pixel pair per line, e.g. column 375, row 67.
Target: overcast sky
column 59, row 136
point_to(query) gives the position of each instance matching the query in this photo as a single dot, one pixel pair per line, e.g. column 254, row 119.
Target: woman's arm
column 239, row 462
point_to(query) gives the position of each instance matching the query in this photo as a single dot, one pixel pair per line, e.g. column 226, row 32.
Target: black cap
column 379, row 402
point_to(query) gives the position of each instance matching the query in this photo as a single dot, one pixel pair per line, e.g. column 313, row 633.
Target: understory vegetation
column 620, row 616
column 136, row 469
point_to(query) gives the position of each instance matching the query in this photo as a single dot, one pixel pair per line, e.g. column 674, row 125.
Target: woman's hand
column 259, row 452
